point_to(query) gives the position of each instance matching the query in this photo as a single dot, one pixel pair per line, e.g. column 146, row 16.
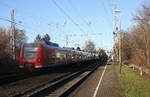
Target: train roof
column 68, row 50
column 60, row 48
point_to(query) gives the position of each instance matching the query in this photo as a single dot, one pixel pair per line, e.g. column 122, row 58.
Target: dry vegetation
column 136, row 41
column 6, row 61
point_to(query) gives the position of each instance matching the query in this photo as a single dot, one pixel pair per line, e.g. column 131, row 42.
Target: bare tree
column 5, row 58
column 20, row 36
column 143, row 19
column 4, row 43
column 136, row 41
column 102, row 56
column 5, row 48
column 78, row 48
column 46, row 38
column 38, row 38
column 89, row 46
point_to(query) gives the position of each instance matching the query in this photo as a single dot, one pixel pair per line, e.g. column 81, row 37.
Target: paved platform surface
column 102, row 83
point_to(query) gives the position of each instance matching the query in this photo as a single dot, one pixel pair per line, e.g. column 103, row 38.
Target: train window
column 30, row 45
column 63, row 56
column 54, row 56
column 76, row 56
column 58, row 55
column 30, row 51
column 80, row 56
column 71, row 56
column 67, row 56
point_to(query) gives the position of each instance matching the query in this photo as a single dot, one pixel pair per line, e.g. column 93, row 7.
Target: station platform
column 102, row 83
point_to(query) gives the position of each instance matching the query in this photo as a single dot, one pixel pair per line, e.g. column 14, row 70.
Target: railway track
column 24, row 86
column 60, row 87
column 11, row 77
column 6, row 78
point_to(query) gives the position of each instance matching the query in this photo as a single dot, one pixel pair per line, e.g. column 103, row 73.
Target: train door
column 63, row 57
column 60, row 57
column 49, row 54
column 53, row 56
column 57, row 58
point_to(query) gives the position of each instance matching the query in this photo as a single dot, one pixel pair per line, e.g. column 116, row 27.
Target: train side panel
column 47, row 56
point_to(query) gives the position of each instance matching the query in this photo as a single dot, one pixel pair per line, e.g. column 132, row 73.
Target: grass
column 133, row 84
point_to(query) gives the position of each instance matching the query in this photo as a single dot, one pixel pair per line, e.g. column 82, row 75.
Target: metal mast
column 117, row 35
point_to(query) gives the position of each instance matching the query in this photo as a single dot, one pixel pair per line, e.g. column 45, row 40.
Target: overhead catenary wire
column 77, row 12
column 106, row 12
column 19, row 23
column 27, row 27
column 20, row 13
column 68, row 16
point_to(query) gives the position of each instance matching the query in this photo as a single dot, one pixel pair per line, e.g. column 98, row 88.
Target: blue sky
column 91, row 16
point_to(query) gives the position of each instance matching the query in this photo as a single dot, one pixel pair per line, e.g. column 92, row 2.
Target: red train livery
column 38, row 55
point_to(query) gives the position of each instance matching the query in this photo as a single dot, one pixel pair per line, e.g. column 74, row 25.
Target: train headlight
column 39, row 60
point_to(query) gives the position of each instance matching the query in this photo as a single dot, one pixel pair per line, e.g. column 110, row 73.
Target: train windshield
column 30, row 51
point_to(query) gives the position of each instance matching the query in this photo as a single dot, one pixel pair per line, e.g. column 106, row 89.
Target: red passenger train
column 39, row 55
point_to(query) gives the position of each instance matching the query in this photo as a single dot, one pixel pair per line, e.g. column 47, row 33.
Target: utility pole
column 146, row 32
column 147, row 42
column 148, row 46
column 12, row 30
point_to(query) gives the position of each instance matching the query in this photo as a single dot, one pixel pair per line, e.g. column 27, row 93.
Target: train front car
column 30, row 56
